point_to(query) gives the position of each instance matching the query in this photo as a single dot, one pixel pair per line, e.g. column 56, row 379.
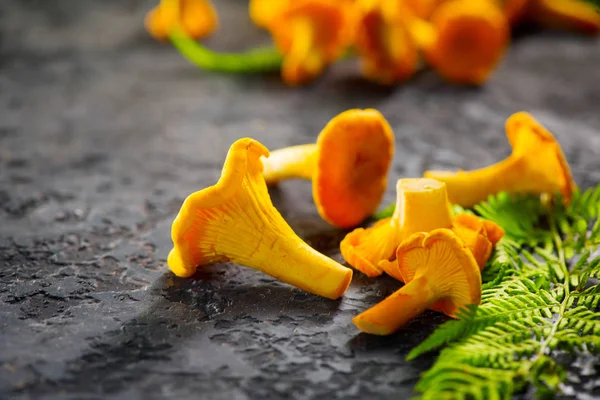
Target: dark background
column 103, row 132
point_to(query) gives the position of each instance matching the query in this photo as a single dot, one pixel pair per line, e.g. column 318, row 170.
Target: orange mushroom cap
column 441, row 273
column 311, row 34
column 355, row 152
column 473, row 233
column 493, row 231
column 239, row 203
column 348, row 165
column 526, row 135
column 387, row 51
column 197, row 18
column 471, row 37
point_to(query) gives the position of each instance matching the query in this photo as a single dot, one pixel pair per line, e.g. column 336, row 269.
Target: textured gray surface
column 103, row 133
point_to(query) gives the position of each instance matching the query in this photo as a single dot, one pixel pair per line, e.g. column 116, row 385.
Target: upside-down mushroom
column 348, row 166
column 537, row 165
column 387, row 52
column 574, row 15
column 311, row 34
column 235, row 221
column 441, row 274
column 421, row 206
column 464, row 39
column 197, row 18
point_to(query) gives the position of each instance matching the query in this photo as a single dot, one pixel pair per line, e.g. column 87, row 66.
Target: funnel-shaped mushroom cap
column 197, row 18
column 543, row 154
column 441, row 274
column 537, row 165
column 493, row 231
column 471, row 39
column 421, row 205
column 235, row 221
column 355, row 150
column 365, row 248
column 444, row 259
column 474, row 235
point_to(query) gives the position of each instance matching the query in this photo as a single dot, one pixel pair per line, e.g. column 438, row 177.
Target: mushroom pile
column 463, row 41
column 438, row 256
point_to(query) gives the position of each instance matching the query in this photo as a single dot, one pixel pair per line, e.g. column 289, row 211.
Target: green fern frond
column 456, row 380
column 540, row 295
column 520, row 216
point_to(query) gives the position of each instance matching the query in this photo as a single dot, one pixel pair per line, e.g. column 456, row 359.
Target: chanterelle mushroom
column 348, row 166
column 421, row 206
column 387, row 52
column 478, row 234
column 311, row 34
column 197, row 18
column 464, row 39
column 441, row 274
column 235, row 221
column 537, row 165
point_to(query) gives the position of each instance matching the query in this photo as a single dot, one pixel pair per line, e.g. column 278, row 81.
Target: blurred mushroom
column 348, row 166
column 311, row 34
column 235, row 221
column 464, row 40
column 264, row 12
column 387, row 52
column 197, row 18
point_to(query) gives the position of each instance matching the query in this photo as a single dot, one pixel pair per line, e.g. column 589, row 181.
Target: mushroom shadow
column 182, row 310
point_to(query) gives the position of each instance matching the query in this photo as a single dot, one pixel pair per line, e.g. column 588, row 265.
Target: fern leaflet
column 540, row 296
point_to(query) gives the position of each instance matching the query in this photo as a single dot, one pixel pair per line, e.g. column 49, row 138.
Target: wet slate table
column 103, row 133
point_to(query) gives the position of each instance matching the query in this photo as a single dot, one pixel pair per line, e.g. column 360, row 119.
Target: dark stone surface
column 103, row 133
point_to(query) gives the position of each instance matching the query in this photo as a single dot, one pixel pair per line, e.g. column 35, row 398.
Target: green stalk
column 253, row 61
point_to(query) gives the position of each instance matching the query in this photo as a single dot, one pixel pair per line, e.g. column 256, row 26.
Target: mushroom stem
column 421, row 206
column 473, row 187
column 290, row 162
column 397, row 309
